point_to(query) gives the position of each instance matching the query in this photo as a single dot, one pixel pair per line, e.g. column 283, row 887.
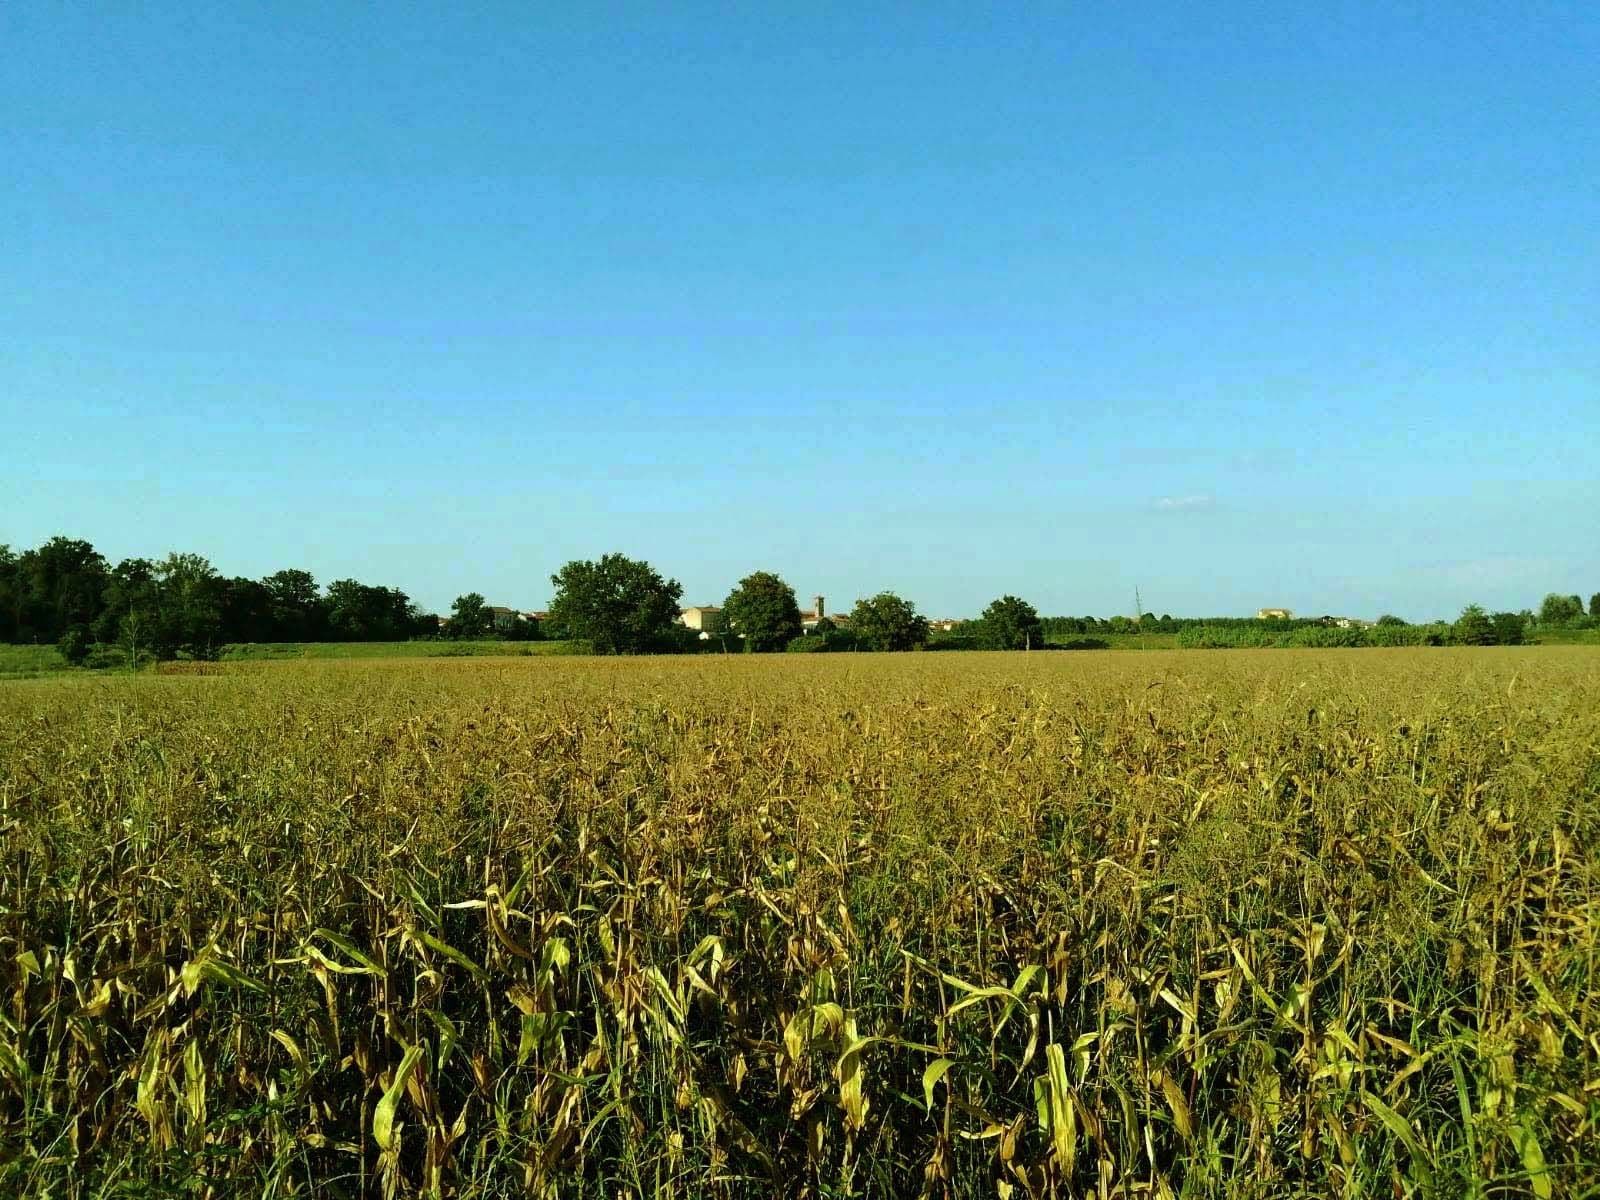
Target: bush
column 1509, row 628
column 1083, row 643
column 1221, row 637
column 954, row 641
column 838, row 641
column 1329, row 637
column 1408, row 635
column 114, row 658
column 75, row 644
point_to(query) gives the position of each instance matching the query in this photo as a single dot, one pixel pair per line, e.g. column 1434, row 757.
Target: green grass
column 1120, row 641
column 24, row 662
column 1567, row 637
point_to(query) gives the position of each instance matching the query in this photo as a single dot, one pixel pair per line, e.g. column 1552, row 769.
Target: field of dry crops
column 1171, row 924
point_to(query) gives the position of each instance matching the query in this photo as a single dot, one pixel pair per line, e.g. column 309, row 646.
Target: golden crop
column 1203, row 924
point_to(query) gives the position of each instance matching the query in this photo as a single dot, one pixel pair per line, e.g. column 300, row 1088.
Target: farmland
column 1224, row 923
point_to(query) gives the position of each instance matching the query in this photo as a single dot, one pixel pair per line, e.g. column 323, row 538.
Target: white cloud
column 1185, row 503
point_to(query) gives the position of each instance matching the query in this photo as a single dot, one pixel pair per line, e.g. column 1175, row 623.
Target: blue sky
column 1236, row 304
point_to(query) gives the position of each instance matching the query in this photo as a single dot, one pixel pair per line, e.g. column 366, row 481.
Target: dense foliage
column 762, row 612
column 64, row 591
column 617, row 604
column 1473, row 628
column 887, row 622
column 1009, row 623
column 1251, row 925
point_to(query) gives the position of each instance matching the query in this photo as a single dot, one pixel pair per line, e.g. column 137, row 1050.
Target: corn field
column 1257, row 924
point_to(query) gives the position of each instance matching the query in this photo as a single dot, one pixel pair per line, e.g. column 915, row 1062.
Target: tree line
column 67, row 593
column 619, row 605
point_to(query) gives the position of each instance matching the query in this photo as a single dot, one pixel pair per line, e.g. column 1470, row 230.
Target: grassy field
column 1567, row 637
column 1253, row 923
column 1120, row 641
column 24, row 662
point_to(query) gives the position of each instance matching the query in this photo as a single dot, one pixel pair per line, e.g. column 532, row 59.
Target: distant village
column 1284, row 614
column 706, row 619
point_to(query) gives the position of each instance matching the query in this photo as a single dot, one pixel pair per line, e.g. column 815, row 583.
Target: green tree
column 1010, row 623
column 886, row 622
column 75, row 644
column 1594, row 605
column 762, row 610
column 10, row 595
column 62, row 583
column 1509, row 628
column 617, row 604
column 130, row 595
column 1558, row 610
column 359, row 612
column 246, row 611
column 1390, row 619
column 1472, row 628
column 189, row 604
column 298, row 612
column 469, row 616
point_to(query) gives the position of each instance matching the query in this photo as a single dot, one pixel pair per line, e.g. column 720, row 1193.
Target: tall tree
column 1473, row 627
column 189, row 592
column 1558, row 610
column 247, row 614
column 1010, row 623
column 1509, row 628
column 1594, row 605
column 358, row 612
column 298, row 613
column 618, row 604
column 62, row 582
column 762, row 610
column 10, row 596
column 469, row 616
column 886, row 622
column 130, row 603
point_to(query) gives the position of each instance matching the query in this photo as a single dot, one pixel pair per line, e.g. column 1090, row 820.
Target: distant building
column 943, row 624
column 502, row 619
column 1346, row 622
column 1274, row 614
column 810, row 617
column 707, row 618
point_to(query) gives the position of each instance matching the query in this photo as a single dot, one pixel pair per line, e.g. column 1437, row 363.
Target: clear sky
column 1239, row 304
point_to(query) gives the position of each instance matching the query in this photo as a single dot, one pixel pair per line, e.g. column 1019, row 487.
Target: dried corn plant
column 1261, row 924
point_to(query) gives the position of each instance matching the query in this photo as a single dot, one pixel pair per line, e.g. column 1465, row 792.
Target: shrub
column 1083, row 643
column 823, row 643
column 115, row 658
column 955, row 641
column 74, row 644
